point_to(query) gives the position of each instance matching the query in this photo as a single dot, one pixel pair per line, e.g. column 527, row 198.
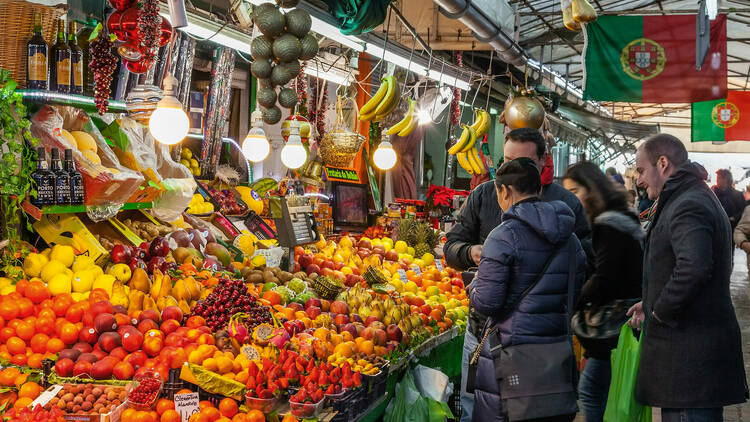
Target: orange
column 184, row 391
column 289, row 418
column 35, row 360
column 69, row 333
column 36, row 291
column 54, row 345
column 19, row 360
column 169, row 415
column 22, row 402
column 16, row 345
column 344, row 349
column 30, row 390
column 25, row 330
column 240, row 417
column 205, row 404
column 39, row 343
column 272, row 297
column 127, row 415
column 20, row 380
column 322, row 334
column 436, row 315
column 6, row 333
column 198, row 417
column 347, row 336
column 21, row 285
column 8, row 376
column 212, row 413
column 255, row 416
column 366, row 347
column 163, row 405
column 228, row 407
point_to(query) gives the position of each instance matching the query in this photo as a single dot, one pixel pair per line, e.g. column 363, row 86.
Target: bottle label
column 63, row 71
column 77, row 73
column 37, row 65
column 78, row 195
column 45, row 192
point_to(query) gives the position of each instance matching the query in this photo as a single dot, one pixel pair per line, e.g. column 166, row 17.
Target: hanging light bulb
column 385, row 156
column 293, row 155
column 168, row 123
column 256, row 146
column 424, row 116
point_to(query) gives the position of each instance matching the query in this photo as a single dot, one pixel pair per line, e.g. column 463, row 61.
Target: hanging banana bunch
column 408, row 123
column 576, row 12
column 465, row 149
column 383, row 102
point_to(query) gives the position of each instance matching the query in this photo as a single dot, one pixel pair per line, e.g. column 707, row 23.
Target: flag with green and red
column 725, row 119
column 651, row 59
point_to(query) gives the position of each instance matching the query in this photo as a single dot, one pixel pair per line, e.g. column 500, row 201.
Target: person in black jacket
column 481, row 214
column 691, row 352
column 617, row 239
column 730, row 198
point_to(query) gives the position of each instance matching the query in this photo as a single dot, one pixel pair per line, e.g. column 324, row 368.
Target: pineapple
column 426, row 239
column 406, row 231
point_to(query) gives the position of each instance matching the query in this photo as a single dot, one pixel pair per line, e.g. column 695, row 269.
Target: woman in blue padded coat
column 514, row 254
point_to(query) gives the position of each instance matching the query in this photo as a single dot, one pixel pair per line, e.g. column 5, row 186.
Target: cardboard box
column 68, row 229
column 113, row 416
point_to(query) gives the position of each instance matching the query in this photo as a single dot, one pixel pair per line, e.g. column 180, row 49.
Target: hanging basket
column 340, row 145
column 17, row 16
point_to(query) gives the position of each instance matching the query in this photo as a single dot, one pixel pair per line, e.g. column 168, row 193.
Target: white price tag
column 439, row 265
column 402, row 274
column 417, row 269
column 186, row 405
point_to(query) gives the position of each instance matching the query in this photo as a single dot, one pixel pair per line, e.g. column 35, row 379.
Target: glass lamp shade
column 168, row 123
column 256, row 146
column 385, row 156
column 293, row 155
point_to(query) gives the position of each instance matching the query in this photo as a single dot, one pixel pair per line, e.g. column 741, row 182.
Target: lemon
column 33, row 264
column 82, row 262
column 83, row 280
column 105, row 282
column 92, row 156
column 84, row 141
column 51, row 269
column 59, row 284
column 70, row 141
column 258, row 261
column 401, row 247
column 397, row 283
column 7, row 290
column 63, row 254
column 245, row 243
column 97, row 271
column 186, row 153
column 428, row 258
column 411, row 287
column 410, row 251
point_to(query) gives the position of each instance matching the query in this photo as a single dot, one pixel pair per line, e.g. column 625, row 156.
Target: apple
column 137, row 359
column 305, row 260
column 318, row 261
column 87, row 357
column 82, row 368
column 391, row 345
column 71, row 354
column 351, row 328
column 340, row 319
column 356, row 318
column 363, row 253
column 101, row 307
column 137, row 263
column 313, row 312
column 82, row 348
column 379, row 338
column 88, row 335
column 297, row 267
column 172, row 312
column 378, row 250
column 425, row 309
column 105, row 322
column 120, row 254
column 152, row 345
column 169, row 326
column 325, row 305
column 338, row 266
column 339, row 307
column 313, row 301
column 327, row 264
column 159, row 247
column 109, row 341
column 370, row 320
column 394, row 333
column 146, row 325
column 291, row 328
column 368, row 333
column 119, row 353
column 121, row 271
column 123, row 371
column 132, row 339
column 326, row 272
column 102, row 369
column 64, row 367
column 151, row 314
column 364, row 243
column 312, row 268
column 295, row 306
column 391, row 256
column 155, row 263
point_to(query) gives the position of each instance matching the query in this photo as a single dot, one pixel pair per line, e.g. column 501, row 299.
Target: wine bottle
column 77, row 192
column 62, row 180
column 76, row 60
column 83, row 43
column 60, row 62
column 44, row 180
column 37, row 52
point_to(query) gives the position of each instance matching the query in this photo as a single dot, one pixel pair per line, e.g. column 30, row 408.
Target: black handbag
column 536, row 380
column 601, row 322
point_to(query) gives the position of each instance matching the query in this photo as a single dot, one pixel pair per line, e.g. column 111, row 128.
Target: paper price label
column 186, row 405
column 439, row 265
column 402, row 274
column 417, row 269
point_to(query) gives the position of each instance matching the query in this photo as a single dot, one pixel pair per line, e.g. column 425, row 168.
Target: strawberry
column 250, row 383
column 310, row 365
column 318, row 395
column 323, row 379
column 253, row 370
column 265, row 394
column 357, row 378
column 283, row 383
column 260, row 378
column 292, row 374
column 330, row 389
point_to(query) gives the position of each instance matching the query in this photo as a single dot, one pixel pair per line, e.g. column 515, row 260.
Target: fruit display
column 199, row 205
column 228, row 202
column 187, row 160
column 406, row 125
column 465, row 149
column 87, row 399
column 384, row 101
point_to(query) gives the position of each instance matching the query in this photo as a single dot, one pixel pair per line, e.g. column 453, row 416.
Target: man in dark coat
column 730, row 198
column 481, row 214
column 691, row 359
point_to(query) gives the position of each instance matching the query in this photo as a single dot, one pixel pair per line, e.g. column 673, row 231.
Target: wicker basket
column 17, row 18
column 340, row 145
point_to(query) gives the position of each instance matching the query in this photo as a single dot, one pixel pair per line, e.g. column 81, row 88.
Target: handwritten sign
column 439, row 265
column 402, row 274
column 186, row 405
column 416, row 269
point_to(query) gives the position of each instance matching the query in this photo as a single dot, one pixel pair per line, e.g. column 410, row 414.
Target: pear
column 119, row 296
column 135, row 299
column 156, row 285
column 171, row 301
column 139, row 280
column 183, row 305
column 149, row 303
column 161, row 303
column 192, row 288
column 166, row 286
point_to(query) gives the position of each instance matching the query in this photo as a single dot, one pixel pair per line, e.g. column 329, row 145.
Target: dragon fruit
column 237, row 328
column 262, row 334
column 279, row 337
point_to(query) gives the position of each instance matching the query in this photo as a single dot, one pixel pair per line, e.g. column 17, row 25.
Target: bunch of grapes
column 149, row 24
column 227, row 299
column 103, row 64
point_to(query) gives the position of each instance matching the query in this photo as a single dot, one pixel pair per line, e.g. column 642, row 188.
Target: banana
column 475, row 162
column 375, row 100
column 413, row 121
column 461, row 144
column 486, row 121
column 408, row 117
column 463, row 161
column 388, row 98
column 472, row 140
column 390, row 102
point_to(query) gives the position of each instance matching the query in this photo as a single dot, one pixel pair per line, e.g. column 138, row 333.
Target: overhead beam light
column 334, row 75
column 203, row 28
column 403, row 62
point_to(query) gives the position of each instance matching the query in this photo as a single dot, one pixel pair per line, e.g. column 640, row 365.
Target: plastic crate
column 213, row 398
column 341, row 404
column 375, row 385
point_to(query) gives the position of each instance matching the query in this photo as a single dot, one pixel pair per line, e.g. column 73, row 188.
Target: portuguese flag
column 651, row 59
column 727, row 119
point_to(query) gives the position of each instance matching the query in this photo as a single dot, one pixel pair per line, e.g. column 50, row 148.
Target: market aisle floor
column 740, row 288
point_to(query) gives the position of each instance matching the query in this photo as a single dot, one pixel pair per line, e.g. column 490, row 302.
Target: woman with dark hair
column 617, row 239
column 531, row 268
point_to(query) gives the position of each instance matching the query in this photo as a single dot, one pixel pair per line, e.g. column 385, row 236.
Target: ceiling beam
column 552, row 28
column 640, row 12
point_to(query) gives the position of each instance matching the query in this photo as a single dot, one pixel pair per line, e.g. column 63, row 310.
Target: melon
column 261, row 9
column 293, row 67
column 265, row 83
column 280, row 75
column 266, row 97
column 84, row 141
column 271, row 115
column 261, row 48
column 287, row 48
column 269, row 20
column 261, row 68
column 287, row 97
column 288, row 4
column 70, row 141
column 298, row 22
column 309, row 47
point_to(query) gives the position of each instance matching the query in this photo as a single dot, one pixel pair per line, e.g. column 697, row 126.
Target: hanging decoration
column 140, row 31
column 277, row 53
column 301, row 86
column 102, row 65
column 458, row 58
column 577, row 12
column 356, row 17
column 217, row 111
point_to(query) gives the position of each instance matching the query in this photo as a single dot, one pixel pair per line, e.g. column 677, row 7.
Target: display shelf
column 80, row 101
column 70, row 209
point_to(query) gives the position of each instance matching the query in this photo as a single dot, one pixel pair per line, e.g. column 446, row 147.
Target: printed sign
column 439, row 265
column 402, row 274
column 186, row 405
column 342, row 174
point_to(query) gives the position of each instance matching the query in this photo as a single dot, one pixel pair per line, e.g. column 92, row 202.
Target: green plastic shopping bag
column 621, row 403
